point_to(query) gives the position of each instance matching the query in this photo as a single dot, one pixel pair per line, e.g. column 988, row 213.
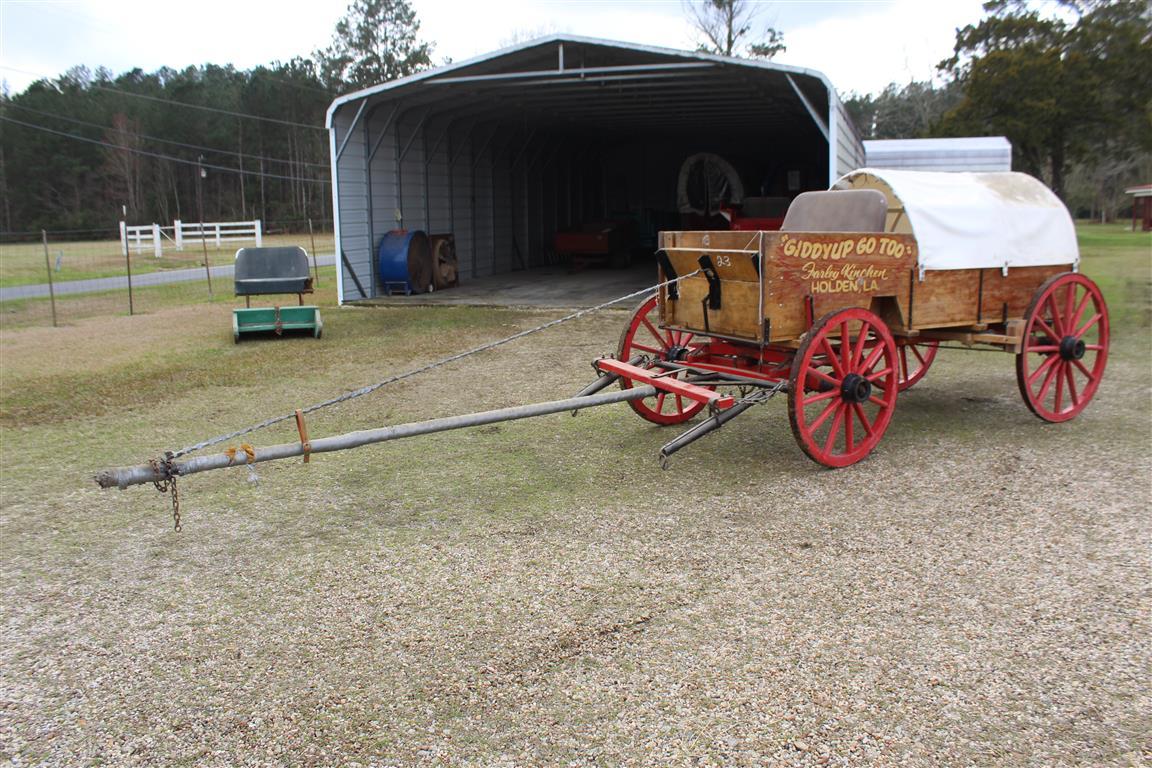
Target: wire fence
column 61, row 277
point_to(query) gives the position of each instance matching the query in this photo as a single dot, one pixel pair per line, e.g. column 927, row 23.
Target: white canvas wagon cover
column 974, row 220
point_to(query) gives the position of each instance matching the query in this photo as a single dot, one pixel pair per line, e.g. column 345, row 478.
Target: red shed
column 1141, row 207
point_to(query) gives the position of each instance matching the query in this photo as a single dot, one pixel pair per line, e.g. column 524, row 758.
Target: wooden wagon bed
column 903, row 262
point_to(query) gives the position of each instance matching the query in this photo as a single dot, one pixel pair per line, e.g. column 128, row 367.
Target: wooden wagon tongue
column 590, row 397
column 158, row 472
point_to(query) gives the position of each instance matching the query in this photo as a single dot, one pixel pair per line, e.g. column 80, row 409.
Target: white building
column 977, row 153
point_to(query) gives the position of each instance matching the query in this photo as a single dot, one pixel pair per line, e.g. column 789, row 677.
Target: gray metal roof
column 564, row 82
column 959, row 144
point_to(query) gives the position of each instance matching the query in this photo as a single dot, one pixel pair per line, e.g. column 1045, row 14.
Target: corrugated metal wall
column 501, row 198
column 350, row 192
column 849, row 149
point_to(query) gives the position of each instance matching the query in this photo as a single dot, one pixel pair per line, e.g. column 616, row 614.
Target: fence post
column 157, row 246
column 315, row 266
column 128, row 266
column 179, row 232
column 124, row 233
column 259, row 233
column 207, row 268
column 48, row 268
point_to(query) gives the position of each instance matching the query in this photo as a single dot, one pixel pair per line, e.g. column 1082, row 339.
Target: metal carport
column 506, row 149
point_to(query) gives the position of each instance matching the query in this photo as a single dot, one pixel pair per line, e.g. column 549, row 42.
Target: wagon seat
column 852, row 210
column 263, row 271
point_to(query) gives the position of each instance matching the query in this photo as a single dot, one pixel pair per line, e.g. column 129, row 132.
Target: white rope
column 423, row 369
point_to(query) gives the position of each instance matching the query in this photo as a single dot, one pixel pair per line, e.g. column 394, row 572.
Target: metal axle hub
column 1071, row 348
column 856, row 388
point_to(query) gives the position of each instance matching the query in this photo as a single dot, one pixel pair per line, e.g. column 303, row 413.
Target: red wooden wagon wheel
column 914, row 361
column 1065, row 347
column 643, row 336
column 843, row 386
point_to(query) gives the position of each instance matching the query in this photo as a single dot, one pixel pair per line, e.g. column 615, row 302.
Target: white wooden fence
column 151, row 236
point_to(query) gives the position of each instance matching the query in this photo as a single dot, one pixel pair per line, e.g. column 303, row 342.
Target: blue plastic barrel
column 405, row 261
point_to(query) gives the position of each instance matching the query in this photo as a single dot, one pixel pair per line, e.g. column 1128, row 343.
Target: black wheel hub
column 855, row 388
column 676, row 353
column 1071, row 348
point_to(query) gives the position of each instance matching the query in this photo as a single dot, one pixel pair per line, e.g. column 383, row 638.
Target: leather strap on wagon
column 714, row 300
column 669, row 274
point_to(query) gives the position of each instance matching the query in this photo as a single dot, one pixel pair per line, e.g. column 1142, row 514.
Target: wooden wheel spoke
column 1057, row 321
column 877, row 401
column 845, row 348
column 1044, row 349
column 1079, row 313
column 823, row 417
column 1048, row 330
column 1069, row 302
column 825, row 377
column 646, row 348
column 849, row 430
column 1073, row 395
column 679, row 404
column 822, row 396
column 1049, row 361
column 1088, row 325
column 913, row 368
column 1084, row 371
column 1059, row 387
column 878, row 375
column 655, row 332
column 873, row 358
column 833, row 358
column 859, row 411
column 1052, row 369
column 830, row 441
column 1094, row 347
column 858, row 349
column 660, row 398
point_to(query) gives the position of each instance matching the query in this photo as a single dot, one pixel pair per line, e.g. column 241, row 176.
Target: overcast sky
column 861, row 46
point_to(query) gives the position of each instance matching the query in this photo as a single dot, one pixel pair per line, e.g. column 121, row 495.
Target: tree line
column 1070, row 91
column 88, row 148
column 80, row 151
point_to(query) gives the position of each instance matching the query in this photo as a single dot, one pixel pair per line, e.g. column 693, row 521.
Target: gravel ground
column 976, row 593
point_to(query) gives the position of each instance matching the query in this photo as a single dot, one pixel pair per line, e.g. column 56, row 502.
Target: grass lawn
column 540, row 592
column 23, row 263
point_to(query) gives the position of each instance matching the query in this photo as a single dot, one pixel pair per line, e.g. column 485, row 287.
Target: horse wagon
column 841, row 309
column 846, row 306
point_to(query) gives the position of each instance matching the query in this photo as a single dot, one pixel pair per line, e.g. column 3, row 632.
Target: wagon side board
column 775, row 284
column 736, row 257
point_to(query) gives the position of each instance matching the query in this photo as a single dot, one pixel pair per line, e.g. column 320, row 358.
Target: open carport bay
column 572, row 135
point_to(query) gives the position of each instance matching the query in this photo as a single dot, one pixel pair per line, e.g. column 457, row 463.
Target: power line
column 161, row 100
column 197, row 147
column 159, row 156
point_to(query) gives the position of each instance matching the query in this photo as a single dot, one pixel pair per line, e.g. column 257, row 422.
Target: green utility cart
column 270, row 271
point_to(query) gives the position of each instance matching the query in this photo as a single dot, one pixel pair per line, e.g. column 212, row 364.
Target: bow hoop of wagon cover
column 974, row 220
